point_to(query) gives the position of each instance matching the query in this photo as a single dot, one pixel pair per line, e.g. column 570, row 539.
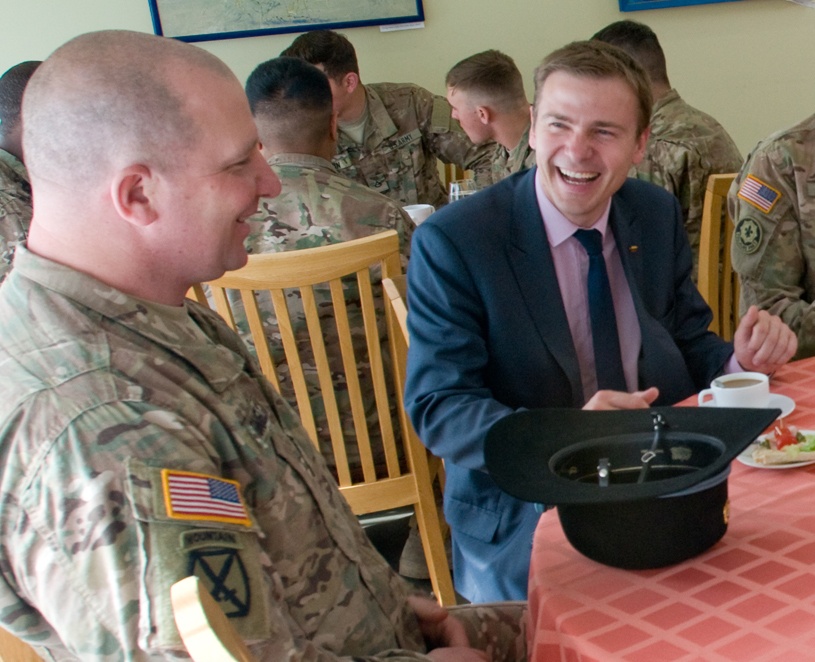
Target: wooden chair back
column 717, row 282
column 407, row 475
column 204, row 628
column 396, row 292
column 13, row 649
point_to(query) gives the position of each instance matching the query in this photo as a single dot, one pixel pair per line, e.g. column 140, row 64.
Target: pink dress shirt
column 572, row 267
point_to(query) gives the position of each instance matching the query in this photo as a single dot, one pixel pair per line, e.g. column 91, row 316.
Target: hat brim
column 522, row 450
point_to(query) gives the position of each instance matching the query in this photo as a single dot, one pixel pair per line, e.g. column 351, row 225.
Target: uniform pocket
column 195, row 524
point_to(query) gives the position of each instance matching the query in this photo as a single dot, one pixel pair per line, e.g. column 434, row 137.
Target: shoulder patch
column 759, row 194
column 193, row 496
column 748, row 235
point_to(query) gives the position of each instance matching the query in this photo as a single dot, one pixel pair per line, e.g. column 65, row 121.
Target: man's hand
column 436, row 624
column 622, row 400
column 763, row 342
column 444, row 635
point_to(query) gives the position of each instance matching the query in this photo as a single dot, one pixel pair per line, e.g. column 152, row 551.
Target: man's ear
column 132, row 192
column 641, row 144
column 484, row 114
column 350, row 81
column 332, row 127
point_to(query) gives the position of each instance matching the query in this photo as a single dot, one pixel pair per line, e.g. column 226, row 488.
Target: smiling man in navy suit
column 503, row 297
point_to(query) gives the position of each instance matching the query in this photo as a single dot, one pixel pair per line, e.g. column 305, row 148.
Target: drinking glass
column 460, row 188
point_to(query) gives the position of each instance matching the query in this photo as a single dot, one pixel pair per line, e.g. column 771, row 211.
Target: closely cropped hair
column 327, row 48
column 290, row 99
column 12, row 86
column 78, row 117
column 641, row 43
column 596, row 59
column 491, row 74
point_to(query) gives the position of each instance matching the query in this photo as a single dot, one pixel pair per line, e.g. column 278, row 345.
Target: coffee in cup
column 738, row 389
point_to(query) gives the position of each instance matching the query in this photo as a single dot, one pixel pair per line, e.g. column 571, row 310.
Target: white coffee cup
column 419, row 213
column 738, row 389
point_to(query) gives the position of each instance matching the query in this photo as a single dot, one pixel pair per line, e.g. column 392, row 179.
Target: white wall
column 748, row 63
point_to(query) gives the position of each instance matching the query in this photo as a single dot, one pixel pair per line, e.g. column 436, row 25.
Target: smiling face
column 223, row 175
column 584, row 133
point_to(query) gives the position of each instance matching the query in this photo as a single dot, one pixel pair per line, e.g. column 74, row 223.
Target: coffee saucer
column 776, row 401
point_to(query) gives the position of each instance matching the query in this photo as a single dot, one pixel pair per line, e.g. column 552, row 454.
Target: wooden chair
column 396, row 291
column 204, row 628
column 717, row 282
column 13, row 649
column 279, row 273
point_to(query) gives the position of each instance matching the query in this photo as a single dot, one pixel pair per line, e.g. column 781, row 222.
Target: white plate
column 746, row 457
column 776, row 401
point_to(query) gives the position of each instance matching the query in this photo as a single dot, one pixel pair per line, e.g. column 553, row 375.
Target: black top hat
column 572, row 456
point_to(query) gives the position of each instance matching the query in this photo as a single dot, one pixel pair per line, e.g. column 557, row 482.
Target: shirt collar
column 172, row 327
column 558, row 227
column 307, row 160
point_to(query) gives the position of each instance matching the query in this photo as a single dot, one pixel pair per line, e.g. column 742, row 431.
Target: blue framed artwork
column 637, row 5
column 203, row 20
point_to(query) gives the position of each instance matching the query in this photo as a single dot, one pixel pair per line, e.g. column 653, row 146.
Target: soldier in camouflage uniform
column 291, row 103
column 141, row 442
column 15, row 189
column 486, row 93
column 391, row 135
column 772, row 203
column 686, row 146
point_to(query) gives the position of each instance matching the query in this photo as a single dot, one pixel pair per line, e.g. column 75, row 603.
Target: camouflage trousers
column 497, row 627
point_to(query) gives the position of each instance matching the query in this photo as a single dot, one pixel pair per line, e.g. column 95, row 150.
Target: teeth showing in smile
column 574, row 177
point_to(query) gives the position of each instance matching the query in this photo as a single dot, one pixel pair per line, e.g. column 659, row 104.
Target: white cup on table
column 738, row 389
column 419, row 213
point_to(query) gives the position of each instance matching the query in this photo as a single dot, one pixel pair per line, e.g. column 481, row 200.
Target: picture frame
column 638, row 5
column 205, row 20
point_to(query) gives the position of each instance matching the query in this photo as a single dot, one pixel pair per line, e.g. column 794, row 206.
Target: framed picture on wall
column 202, row 20
column 637, row 5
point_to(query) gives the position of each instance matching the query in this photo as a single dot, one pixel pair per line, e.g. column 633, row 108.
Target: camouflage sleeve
column 772, row 203
column 100, row 534
column 14, row 220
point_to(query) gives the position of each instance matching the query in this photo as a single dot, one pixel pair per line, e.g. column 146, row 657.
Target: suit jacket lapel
column 627, row 229
column 531, row 261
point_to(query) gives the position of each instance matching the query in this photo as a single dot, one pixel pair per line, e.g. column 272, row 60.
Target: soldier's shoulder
column 399, row 93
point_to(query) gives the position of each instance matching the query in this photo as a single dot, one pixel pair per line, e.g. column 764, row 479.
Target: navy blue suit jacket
column 489, row 336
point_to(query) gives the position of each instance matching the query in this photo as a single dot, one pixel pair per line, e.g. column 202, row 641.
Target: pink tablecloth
column 750, row 597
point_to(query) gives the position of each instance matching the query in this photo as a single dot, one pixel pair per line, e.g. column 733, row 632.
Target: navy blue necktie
column 607, row 359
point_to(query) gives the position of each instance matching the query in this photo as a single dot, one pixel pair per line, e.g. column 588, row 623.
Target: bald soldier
column 15, row 189
column 772, row 203
column 119, row 398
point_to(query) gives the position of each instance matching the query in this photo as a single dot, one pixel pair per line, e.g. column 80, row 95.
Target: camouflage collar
column 12, row 162
column 380, row 119
column 304, row 160
column 670, row 96
column 171, row 327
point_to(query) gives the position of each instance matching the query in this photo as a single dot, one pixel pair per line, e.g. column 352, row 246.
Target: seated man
column 686, row 146
column 15, row 190
column 508, row 305
column 391, row 134
column 119, row 398
column 291, row 103
column 486, row 92
column 772, row 204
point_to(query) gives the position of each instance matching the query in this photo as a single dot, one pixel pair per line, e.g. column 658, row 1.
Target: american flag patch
column 759, row 194
column 200, row 497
